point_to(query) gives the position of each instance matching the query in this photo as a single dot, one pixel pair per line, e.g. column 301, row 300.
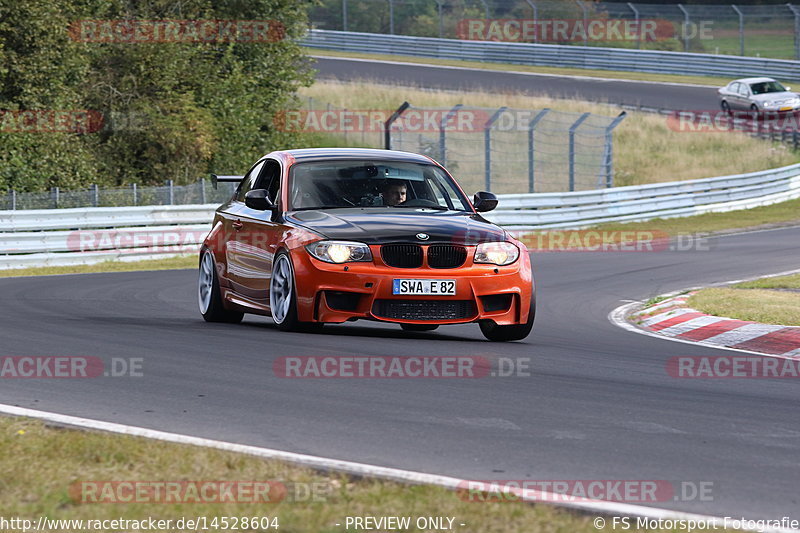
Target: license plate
column 786, row 108
column 442, row 287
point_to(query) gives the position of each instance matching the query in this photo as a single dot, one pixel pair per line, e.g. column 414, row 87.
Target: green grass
column 757, row 305
column 778, row 282
column 505, row 67
column 170, row 263
column 41, row 466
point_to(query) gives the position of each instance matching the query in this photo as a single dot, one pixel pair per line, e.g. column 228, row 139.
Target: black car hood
column 375, row 225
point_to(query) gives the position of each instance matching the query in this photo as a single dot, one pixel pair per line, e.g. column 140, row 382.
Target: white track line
column 521, row 73
column 360, row 469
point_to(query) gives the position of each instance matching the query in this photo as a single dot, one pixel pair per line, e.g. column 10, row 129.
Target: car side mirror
column 258, row 199
column 484, row 201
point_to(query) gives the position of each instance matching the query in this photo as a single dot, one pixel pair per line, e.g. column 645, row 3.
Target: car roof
column 321, row 154
column 753, row 80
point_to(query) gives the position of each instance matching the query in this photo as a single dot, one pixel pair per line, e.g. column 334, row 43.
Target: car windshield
column 347, row 183
column 765, row 87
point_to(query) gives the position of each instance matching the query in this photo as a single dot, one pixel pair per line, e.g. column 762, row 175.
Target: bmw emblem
column 422, row 236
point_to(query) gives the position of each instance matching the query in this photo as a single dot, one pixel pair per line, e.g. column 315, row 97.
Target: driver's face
column 394, row 194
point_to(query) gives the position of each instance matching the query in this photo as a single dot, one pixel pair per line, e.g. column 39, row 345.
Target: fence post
column 443, row 135
column 441, row 18
column 686, row 22
column 54, row 192
column 638, row 25
column 391, row 17
column 485, row 9
column 741, row 28
column 344, row 15
column 609, row 149
column 13, row 194
column 531, row 161
column 171, row 185
column 796, row 14
column 95, row 195
column 202, row 191
column 535, row 18
column 387, row 126
column 585, row 20
column 572, row 130
column 135, row 199
column 487, row 146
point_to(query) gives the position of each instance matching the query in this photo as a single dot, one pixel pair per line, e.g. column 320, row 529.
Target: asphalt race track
column 598, row 404
column 649, row 94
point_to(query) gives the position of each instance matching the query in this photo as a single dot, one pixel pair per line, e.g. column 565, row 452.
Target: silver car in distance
column 758, row 95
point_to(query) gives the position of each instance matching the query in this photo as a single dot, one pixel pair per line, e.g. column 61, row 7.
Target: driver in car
column 394, row 192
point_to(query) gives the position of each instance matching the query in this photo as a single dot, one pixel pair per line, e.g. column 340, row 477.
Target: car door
column 236, row 242
column 744, row 96
column 258, row 238
column 732, row 95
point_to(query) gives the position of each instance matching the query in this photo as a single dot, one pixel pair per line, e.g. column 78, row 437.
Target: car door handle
column 237, row 225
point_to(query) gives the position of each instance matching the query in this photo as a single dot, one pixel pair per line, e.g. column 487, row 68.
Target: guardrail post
column 487, row 146
column 796, row 14
column 741, row 28
column 531, row 160
column 585, row 20
column 535, row 18
column 171, row 185
column 572, row 130
column 638, row 25
column 686, row 22
column 13, row 193
column 609, row 150
column 443, row 135
column 344, row 15
column 54, row 193
column 387, row 126
column 95, row 195
column 135, row 196
column 202, row 191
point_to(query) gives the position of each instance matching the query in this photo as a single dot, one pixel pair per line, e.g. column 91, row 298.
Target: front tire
column 515, row 332
column 283, row 297
column 209, row 295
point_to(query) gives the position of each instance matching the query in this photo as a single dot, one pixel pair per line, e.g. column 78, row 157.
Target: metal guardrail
column 90, row 235
column 552, row 55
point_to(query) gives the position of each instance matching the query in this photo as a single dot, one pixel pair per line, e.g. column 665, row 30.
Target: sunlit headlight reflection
column 496, row 253
column 339, row 251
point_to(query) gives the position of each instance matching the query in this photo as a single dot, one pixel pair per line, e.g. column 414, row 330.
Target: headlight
column 339, row 251
column 770, row 104
column 496, row 253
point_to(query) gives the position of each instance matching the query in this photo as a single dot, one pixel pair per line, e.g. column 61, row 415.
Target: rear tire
column 209, row 294
column 515, row 332
column 283, row 297
column 419, row 327
column 725, row 107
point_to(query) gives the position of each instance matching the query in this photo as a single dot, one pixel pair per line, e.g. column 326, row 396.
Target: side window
column 248, row 181
column 270, row 179
column 734, row 87
column 743, row 91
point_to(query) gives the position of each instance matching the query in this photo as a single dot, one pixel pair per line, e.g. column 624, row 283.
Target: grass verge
column 778, row 282
column 506, row 67
column 646, row 149
column 169, row 263
column 757, row 305
column 46, row 469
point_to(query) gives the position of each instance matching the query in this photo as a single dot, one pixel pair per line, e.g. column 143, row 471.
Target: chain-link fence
column 511, row 151
column 755, row 30
column 200, row 192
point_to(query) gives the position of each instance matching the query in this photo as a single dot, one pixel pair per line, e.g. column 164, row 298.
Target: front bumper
column 337, row 293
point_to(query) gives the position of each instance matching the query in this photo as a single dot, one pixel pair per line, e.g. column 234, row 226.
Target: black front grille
column 446, row 256
column 424, row 309
column 402, row 255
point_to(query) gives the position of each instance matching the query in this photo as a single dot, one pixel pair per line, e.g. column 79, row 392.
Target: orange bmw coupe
column 331, row 235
